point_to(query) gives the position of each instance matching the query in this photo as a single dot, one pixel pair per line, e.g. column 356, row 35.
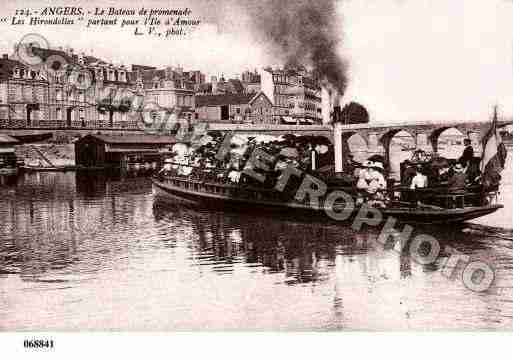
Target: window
column 237, row 110
column 58, row 113
column 81, row 117
column 58, row 94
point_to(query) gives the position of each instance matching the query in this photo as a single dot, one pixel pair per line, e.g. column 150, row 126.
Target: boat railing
column 445, row 197
column 224, row 187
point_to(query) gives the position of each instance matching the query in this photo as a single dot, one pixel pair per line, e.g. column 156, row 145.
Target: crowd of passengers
column 369, row 178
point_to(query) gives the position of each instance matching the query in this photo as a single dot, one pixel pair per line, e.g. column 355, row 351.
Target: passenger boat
column 427, row 205
column 430, row 206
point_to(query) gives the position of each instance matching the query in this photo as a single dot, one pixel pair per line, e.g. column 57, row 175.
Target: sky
column 409, row 60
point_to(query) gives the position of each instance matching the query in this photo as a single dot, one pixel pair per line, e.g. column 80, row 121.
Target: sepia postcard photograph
column 247, row 167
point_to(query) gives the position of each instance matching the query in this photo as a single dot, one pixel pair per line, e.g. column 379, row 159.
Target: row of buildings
column 47, row 95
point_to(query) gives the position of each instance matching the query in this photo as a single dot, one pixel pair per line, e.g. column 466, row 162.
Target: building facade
column 66, row 91
column 221, row 86
column 76, row 91
column 251, row 81
column 229, row 108
column 170, row 89
column 295, row 94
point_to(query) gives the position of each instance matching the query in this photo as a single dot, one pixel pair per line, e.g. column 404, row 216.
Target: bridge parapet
column 277, row 130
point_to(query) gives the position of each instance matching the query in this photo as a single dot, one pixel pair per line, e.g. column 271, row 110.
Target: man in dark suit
column 468, row 153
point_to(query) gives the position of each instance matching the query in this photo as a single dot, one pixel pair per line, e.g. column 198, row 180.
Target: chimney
column 337, row 114
column 337, row 110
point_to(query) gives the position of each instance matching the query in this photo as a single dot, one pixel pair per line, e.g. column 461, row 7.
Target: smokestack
column 337, row 114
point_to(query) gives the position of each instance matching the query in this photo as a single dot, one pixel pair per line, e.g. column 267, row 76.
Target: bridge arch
column 435, row 135
column 386, row 141
column 355, row 143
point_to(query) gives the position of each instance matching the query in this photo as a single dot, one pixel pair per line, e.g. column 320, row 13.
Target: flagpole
column 493, row 157
column 483, row 144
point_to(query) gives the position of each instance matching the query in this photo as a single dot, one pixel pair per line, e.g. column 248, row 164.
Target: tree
column 353, row 112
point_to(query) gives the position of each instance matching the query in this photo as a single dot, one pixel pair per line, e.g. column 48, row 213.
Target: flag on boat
column 494, row 156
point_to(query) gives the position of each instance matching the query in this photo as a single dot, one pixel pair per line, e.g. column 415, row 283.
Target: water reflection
column 304, row 252
column 66, row 222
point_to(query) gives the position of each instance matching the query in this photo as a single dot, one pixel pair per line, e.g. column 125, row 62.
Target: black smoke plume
column 300, row 32
column 304, row 32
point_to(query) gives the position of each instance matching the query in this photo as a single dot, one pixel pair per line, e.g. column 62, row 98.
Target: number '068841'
column 38, row 343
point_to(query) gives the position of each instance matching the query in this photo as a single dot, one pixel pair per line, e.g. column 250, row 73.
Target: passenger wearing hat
column 364, row 176
column 457, row 180
column 468, row 153
column 168, row 166
column 378, row 182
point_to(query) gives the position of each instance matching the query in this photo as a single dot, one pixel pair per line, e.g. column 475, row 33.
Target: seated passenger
column 364, row 177
column 444, row 173
column 419, row 180
column 377, row 185
column 234, row 176
column 378, row 182
column 408, row 173
column 457, row 180
column 168, row 166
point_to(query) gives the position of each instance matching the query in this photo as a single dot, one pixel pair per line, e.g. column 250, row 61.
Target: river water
column 83, row 253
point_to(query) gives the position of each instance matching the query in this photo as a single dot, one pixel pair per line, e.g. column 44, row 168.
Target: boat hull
column 174, row 194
